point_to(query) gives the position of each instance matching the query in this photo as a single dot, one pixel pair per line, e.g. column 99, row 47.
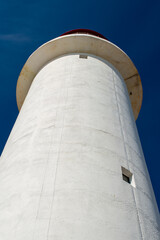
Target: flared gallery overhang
column 82, row 41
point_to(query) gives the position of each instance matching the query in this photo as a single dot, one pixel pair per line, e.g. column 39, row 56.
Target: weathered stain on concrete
column 81, row 43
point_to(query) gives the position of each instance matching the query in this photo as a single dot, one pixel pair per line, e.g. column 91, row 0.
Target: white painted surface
column 60, row 172
column 84, row 43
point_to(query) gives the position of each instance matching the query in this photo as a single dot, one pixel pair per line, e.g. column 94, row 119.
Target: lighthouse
column 73, row 167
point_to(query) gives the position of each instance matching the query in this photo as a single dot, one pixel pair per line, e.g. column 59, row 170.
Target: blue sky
column 132, row 25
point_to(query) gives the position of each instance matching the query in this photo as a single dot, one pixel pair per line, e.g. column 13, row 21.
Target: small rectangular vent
column 83, row 56
column 127, row 176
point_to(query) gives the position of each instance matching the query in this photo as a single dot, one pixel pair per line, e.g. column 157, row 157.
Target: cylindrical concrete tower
column 73, row 167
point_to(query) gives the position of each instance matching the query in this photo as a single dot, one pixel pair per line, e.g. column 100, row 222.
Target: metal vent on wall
column 83, row 56
column 127, row 176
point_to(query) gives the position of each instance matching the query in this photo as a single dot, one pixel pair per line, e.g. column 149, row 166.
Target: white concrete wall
column 60, row 172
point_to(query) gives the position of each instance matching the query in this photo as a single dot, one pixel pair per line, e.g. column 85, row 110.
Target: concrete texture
column 87, row 44
column 60, row 172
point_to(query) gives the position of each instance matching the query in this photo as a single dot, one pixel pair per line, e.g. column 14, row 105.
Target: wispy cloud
column 17, row 37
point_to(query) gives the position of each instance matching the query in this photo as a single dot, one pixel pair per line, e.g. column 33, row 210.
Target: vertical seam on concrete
column 127, row 158
column 42, row 185
column 44, row 177
column 54, row 185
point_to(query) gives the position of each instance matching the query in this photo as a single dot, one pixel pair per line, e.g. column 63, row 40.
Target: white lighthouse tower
column 73, row 167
